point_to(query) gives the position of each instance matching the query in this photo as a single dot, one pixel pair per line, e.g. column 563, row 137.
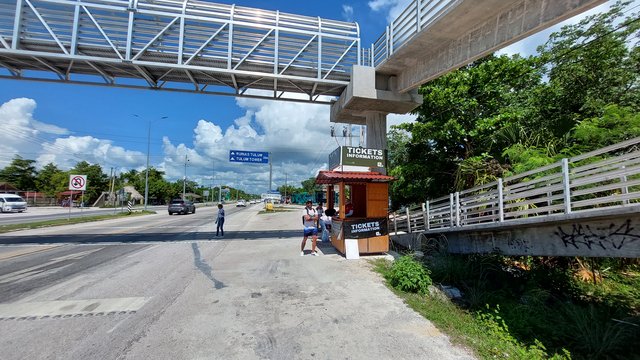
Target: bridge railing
column 164, row 44
column 607, row 178
column 418, row 15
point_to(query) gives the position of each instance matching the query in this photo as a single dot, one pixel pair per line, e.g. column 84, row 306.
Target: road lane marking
column 33, row 275
column 26, row 250
column 59, row 308
column 34, row 269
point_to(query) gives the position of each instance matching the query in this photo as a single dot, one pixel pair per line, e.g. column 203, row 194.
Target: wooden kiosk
column 369, row 194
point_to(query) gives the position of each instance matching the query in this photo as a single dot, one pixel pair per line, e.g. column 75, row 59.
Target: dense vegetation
column 504, row 115
column 50, row 180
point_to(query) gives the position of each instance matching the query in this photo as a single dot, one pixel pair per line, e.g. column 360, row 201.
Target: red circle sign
column 77, row 182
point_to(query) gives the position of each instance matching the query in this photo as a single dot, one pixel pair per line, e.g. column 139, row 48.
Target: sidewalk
column 272, row 303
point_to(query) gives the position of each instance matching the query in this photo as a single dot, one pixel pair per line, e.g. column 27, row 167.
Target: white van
column 11, row 203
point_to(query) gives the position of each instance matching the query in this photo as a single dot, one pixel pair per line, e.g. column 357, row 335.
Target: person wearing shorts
column 310, row 221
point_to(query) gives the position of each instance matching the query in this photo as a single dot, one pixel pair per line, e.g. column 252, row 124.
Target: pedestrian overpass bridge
column 210, row 48
column 587, row 205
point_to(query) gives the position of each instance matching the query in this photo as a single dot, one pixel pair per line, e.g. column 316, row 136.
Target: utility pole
column 285, row 188
column 270, row 171
column 184, row 182
column 212, row 177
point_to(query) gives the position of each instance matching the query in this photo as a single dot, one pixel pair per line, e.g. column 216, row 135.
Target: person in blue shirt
column 220, row 221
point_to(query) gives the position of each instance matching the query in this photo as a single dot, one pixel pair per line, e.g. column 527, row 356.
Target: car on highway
column 11, row 203
column 180, row 206
column 241, row 203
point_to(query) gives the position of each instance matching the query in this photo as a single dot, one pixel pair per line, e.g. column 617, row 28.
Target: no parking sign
column 78, row 182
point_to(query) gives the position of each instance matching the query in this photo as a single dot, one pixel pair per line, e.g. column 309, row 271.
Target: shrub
column 495, row 326
column 408, row 275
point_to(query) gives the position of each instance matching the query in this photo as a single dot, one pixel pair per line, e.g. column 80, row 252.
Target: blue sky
column 64, row 123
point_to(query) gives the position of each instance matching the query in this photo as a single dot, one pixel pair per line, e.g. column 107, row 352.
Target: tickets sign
column 365, row 228
column 357, row 156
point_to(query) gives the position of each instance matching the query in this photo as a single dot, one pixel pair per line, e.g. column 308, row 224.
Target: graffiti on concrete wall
column 613, row 236
column 519, row 245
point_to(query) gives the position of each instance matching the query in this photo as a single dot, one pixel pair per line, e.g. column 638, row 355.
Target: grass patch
column 75, row 220
column 275, row 210
column 531, row 308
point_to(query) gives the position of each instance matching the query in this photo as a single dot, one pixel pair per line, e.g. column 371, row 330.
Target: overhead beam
column 472, row 30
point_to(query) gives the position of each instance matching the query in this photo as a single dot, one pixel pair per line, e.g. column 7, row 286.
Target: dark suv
column 181, row 207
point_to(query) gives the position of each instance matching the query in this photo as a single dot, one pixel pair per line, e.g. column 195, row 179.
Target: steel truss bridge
column 205, row 47
column 193, row 46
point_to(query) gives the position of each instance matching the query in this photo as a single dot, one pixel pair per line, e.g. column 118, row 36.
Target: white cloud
column 393, row 7
column 67, row 152
column 347, row 12
column 296, row 134
column 23, row 134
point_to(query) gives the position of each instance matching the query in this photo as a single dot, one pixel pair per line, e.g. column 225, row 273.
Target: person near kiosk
column 348, row 209
column 310, row 222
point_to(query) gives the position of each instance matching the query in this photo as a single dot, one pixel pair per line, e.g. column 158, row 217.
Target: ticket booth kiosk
column 368, row 193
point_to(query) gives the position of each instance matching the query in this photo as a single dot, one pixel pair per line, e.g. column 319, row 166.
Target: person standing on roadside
column 220, row 221
column 320, row 211
column 310, row 222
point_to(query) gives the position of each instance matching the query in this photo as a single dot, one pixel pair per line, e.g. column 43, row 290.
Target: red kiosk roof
column 334, row 177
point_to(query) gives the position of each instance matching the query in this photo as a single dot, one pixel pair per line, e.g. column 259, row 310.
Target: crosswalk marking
column 71, row 307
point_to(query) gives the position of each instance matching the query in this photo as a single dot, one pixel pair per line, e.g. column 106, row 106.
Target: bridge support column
column 368, row 99
column 376, row 135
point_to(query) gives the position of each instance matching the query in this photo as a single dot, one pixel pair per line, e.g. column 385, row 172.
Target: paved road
column 164, row 287
column 56, row 212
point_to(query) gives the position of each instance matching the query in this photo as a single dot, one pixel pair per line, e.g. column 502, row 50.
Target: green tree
column 589, row 65
column 288, row 189
column 458, row 123
column 309, row 185
column 51, row 180
column 21, row 173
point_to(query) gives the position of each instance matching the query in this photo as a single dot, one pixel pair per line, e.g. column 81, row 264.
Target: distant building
column 7, row 188
column 274, row 197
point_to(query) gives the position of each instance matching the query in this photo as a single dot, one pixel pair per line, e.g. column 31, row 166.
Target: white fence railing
column 603, row 179
column 418, row 15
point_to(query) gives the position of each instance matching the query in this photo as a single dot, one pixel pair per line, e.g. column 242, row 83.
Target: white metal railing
column 164, row 44
column 606, row 178
column 418, row 15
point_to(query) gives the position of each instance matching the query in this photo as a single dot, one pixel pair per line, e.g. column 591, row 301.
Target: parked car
column 180, row 206
column 241, row 203
column 11, row 203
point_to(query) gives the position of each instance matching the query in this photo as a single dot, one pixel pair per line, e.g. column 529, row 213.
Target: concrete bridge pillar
column 368, row 99
column 376, row 132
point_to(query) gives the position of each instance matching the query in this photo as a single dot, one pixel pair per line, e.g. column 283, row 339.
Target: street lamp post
column 146, row 175
column 184, row 182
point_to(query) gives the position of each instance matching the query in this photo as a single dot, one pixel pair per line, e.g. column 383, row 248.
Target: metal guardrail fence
column 602, row 179
column 418, row 15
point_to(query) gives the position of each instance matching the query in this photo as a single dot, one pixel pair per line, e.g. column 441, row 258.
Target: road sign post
column 76, row 183
column 256, row 157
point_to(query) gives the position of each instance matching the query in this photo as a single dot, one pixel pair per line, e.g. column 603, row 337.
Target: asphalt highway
column 165, row 287
column 57, row 212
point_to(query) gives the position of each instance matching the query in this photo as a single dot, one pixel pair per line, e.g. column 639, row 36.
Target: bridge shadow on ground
column 12, row 239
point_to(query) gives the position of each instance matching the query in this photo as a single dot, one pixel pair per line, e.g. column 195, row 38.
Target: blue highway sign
column 249, row 156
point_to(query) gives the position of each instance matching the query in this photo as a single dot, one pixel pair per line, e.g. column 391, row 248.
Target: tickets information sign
column 357, row 156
